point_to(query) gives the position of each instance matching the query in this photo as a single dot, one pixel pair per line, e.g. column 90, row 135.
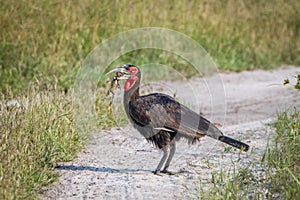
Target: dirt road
column 118, row 163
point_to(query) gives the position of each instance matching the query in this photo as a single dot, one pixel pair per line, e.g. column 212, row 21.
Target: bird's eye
column 132, row 71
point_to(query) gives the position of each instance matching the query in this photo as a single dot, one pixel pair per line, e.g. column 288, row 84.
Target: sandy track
column 118, row 163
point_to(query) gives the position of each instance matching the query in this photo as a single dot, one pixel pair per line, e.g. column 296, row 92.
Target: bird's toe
column 167, row 172
column 157, row 172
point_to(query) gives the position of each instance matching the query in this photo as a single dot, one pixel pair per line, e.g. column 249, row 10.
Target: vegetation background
column 42, row 44
column 42, row 39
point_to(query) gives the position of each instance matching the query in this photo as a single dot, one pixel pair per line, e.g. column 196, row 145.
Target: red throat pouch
column 129, row 83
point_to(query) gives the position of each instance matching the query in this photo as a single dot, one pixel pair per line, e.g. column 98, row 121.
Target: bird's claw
column 167, row 172
column 159, row 173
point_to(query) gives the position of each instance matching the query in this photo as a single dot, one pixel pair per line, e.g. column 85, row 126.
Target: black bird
column 163, row 121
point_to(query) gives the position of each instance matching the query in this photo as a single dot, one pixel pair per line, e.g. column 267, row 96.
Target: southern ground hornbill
column 162, row 120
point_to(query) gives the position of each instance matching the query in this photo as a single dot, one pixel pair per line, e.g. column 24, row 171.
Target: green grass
column 281, row 162
column 50, row 39
column 35, row 136
column 284, row 159
column 233, row 182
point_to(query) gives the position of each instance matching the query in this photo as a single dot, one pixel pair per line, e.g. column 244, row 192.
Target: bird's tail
column 234, row 143
column 215, row 133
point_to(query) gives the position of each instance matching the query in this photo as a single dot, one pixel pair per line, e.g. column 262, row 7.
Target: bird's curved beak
column 122, row 73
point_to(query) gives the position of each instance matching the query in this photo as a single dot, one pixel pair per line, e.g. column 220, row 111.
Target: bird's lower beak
column 122, row 73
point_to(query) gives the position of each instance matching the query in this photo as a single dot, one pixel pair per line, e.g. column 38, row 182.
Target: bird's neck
column 133, row 93
column 130, row 95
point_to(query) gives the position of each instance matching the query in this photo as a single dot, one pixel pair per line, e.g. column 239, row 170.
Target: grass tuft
column 37, row 131
column 283, row 159
column 280, row 177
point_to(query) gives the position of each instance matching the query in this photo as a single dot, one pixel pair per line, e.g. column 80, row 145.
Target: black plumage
column 163, row 121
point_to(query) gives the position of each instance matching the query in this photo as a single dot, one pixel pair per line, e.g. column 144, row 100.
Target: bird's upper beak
column 122, row 73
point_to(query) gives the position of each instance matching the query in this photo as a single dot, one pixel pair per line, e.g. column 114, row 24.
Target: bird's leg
column 172, row 152
column 166, row 151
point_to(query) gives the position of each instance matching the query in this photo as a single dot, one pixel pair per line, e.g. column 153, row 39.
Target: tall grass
column 37, row 131
column 225, row 185
column 280, row 178
column 43, row 38
column 284, row 159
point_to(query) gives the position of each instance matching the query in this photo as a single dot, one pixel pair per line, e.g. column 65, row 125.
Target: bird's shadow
column 98, row 169
column 109, row 170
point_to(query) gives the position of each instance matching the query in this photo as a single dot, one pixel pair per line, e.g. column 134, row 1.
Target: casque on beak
column 122, row 73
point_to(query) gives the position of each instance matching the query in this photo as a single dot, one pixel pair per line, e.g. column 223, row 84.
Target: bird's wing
column 191, row 124
column 162, row 112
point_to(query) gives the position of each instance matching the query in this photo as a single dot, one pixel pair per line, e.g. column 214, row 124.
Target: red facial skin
column 130, row 82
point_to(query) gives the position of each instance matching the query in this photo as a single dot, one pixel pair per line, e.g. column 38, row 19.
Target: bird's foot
column 157, row 172
column 165, row 171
